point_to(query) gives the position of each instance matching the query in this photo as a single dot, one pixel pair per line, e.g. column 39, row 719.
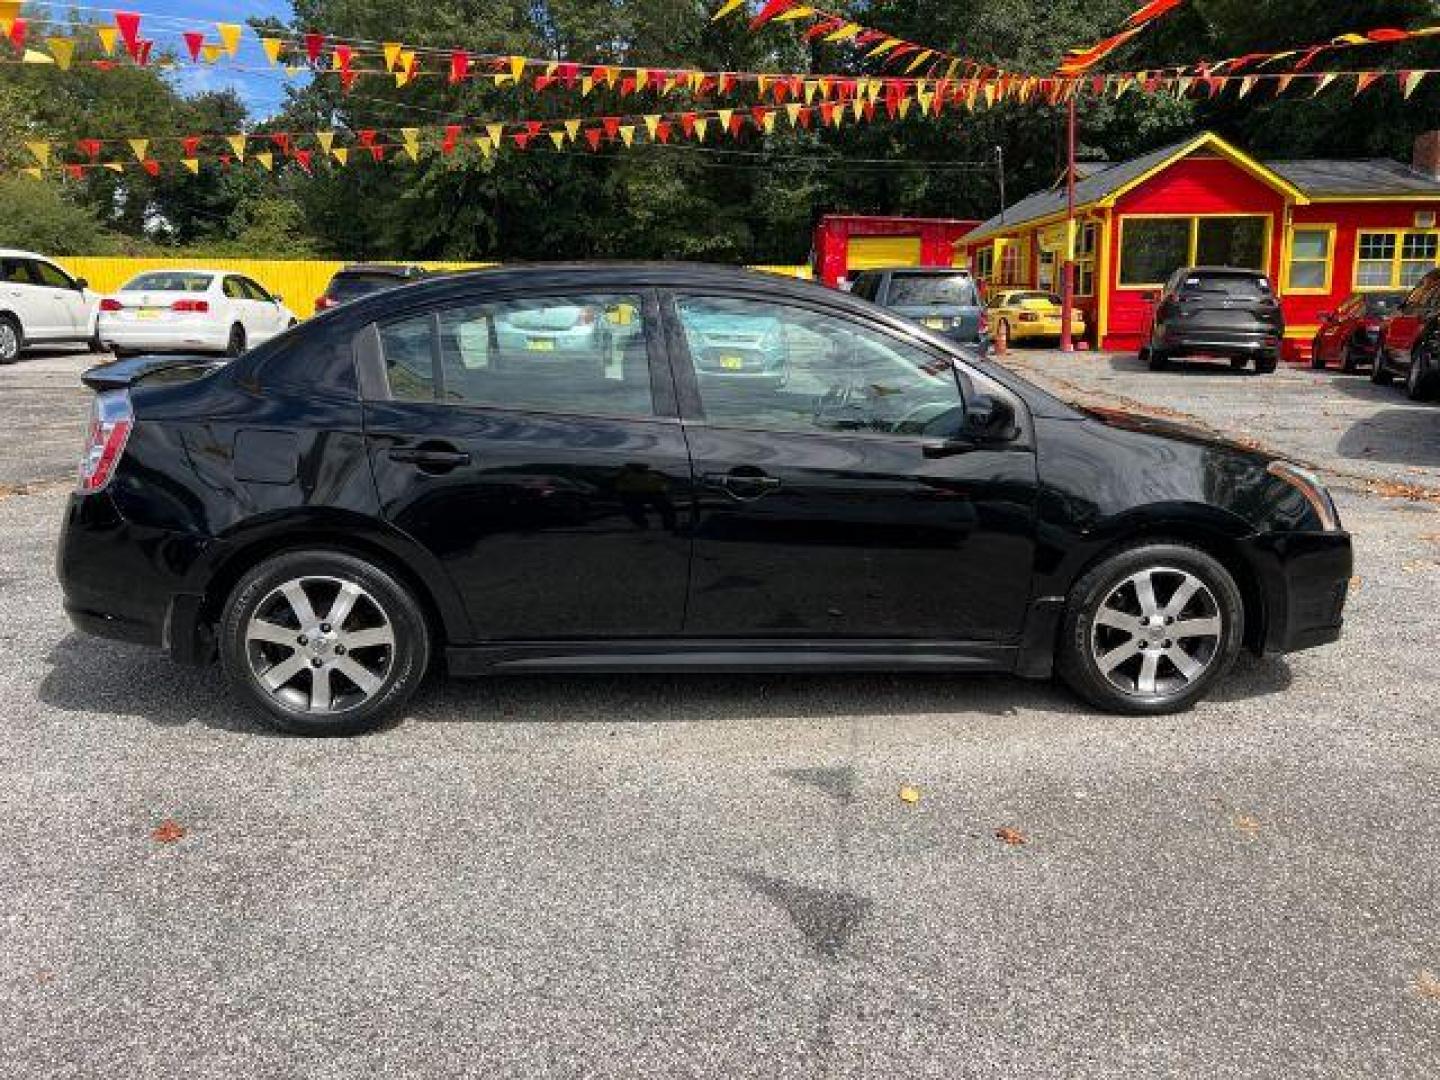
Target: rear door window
column 584, row 353
column 933, row 290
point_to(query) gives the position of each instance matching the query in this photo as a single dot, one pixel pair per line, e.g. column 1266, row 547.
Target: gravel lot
column 717, row 877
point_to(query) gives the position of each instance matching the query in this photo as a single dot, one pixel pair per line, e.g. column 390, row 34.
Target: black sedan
column 408, row 477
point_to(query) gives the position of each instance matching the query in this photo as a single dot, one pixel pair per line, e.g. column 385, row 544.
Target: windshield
column 1036, row 297
column 1238, row 286
column 1383, row 303
column 931, row 290
column 170, row 281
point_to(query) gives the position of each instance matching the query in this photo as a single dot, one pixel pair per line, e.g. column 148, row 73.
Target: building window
column 1014, row 261
column 985, row 263
column 1085, row 260
column 1311, row 248
column 1395, row 260
column 1151, row 249
column 1046, row 279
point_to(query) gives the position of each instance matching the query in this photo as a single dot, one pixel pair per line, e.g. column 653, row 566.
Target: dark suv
column 362, row 279
column 1216, row 311
column 441, row 471
column 944, row 299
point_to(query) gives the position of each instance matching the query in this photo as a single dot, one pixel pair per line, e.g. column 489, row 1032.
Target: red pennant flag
column 827, row 112
column 18, row 28
column 314, row 43
column 544, row 82
column 706, row 87
column 377, row 151
column 1364, row 80
column 569, row 74
column 142, row 52
column 592, row 136
column 662, row 131
column 343, row 55
column 611, row 124
column 367, row 137
column 804, row 116
column 302, row 158
column 194, row 42
column 657, row 80
column 190, row 145
column 759, row 112
column 77, row 172
column 534, row 127
column 1387, row 35
column 868, row 109
column 522, row 139
column 627, row 86
column 780, row 91
column 459, row 66
column 827, row 26
column 347, row 79
column 225, row 160
column 128, row 23
column 452, row 136
column 727, row 83
column 90, row 148
column 151, row 166
column 771, row 9
column 687, row 124
column 737, row 124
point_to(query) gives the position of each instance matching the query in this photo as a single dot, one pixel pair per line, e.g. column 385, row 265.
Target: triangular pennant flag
column 192, row 164
column 662, row 131
column 325, row 140
column 128, row 23
column 651, row 123
column 572, row 129
column 35, row 56
column 496, row 132
column 1323, row 82
column 107, row 36
column 792, row 113
column 190, row 145
column 90, row 148
column 702, row 125
column 687, row 124
column 1364, row 80
column 451, row 139
column 724, row 116
column 459, row 66
column 265, row 158
column 314, row 44
column 1409, row 80
column 115, row 166
column 140, row 147
column 272, row 48
column 237, row 143
column 33, row 171
column 229, row 36
column 558, row 138
column 627, row 134
column 1283, row 84
column 726, row 8
column 411, row 137
column 517, row 67
column 40, row 151
column 194, row 42
column 1246, row 85
column 341, row 154
column 211, row 52
column 302, row 158
column 75, row 172
column 151, row 166
column 592, row 136
column 63, row 49
column 391, row 49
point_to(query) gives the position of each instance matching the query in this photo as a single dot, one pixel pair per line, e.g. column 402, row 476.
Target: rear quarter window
column 310, row 362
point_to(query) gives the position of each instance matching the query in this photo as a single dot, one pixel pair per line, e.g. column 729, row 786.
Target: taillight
column 984, row 321
column 200, row 306
column 111, row 304
column 324, row 303
column 111, row 419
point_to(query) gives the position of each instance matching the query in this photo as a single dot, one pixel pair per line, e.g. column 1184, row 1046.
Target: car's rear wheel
column 1266, row 365
column 1151, row 629
column 1380, row 374
column 323, row 643
column 12, row 339
column 1317, row 358
column 236, row 345
column 1158, row 359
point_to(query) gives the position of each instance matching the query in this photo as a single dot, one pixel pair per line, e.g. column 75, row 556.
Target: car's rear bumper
column 1304, row 580
column 205, row 337
column 1222, row 342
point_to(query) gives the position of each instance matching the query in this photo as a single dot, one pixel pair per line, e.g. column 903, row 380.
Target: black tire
column 1418, row 380
column 13, row 338
column 1237, row 363
column 1158, row 359
column 1317, row 361
column 236, row 345
column 1380, row 374
column 1350, row 361
column 1080, row 636
column 1266, row 365
column 401, row 665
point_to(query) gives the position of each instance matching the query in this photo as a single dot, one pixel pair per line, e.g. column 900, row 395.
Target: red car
column 1350, row 335
column 1410, row 342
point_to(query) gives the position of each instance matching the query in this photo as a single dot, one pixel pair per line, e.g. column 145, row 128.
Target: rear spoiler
column 126, row 373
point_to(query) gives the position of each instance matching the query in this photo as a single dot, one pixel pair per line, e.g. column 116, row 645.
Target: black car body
column 362, row 279
column 1217, row 311
column 897, row 504
column 945, row 299
column 1349, row 336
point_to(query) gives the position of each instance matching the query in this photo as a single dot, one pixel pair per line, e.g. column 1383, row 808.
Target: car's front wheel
column 1380, row 373
column 12, row 339
column 235, row 346
column 323, row 643
column 1151, row 629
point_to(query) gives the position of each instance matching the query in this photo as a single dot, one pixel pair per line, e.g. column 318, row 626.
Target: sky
column 262, row 91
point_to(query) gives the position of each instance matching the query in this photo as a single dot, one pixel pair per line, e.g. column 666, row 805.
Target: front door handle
column 743, row 485
column 431, row 457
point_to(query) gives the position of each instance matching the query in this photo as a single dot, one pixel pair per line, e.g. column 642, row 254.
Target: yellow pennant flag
column 1323, row 82
column 1412, row 80
column 558, row 138
column 34, row 171
column 210, row 52
column 587, row 83
column 857, row 106
column 63, row 49
column 484, row 145
column 651, row 123
column 35, row 56
column 884, row 47
column 325, row 140
column 702, row 125
column 612, row 76
column 811, row 86
column 725, row 115
column 923, row 96
column 229, row 36
column 496, row 133
column 762, row 84
column 1246, row 85
column 193, row 164
column 767, row 121
column 392, row 54
column 837, row 116
column 627, row 134
column 792, row 113
column 40, row 151
column 572, row 129
column 237, row 143
column 642, row 78
column 266, row 159
column 272, row 47
column 411, row 137
column 107, row 36
column 906, row 103
column 115, row 166
column 845, row 33
column 801, row 12
column 726, row 8
column 920, row 60
column 341, row 154
column 407, row 61
column 517, row 67
column 140, row 147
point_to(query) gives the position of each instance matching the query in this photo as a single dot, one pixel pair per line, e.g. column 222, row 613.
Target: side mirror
column 277, row 298
column 81, row 284
column 989, row 420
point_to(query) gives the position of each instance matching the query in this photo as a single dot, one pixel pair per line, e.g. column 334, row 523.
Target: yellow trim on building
column 1287, row 257
column 1193, row 253
column 1210, row 141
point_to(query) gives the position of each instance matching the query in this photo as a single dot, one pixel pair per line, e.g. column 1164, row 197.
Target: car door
column 74, row 314
column 241, row 309
column 270, row 317
column 1331, row 330
column 32, row 301
column 846, row 500
column 531, row 444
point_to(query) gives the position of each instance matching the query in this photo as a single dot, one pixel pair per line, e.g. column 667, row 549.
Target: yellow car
column 1029, row 314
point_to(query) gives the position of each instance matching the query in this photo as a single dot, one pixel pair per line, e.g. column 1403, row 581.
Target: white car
column 191, row 311
column 40, row 303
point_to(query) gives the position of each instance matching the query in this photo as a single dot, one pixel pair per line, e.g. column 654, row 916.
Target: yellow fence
column 299, row 282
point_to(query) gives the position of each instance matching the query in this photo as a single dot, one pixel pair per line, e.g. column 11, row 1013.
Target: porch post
column 1067, row 295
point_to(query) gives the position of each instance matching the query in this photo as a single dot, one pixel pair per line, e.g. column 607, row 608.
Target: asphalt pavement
column 677, row 877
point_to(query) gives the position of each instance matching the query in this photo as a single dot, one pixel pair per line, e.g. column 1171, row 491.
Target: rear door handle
column 431, row 459
column 742, row 486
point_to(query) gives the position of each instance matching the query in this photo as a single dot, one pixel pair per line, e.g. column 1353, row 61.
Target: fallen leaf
column 1431, row 538
column 1247, row 824
column 1427, row 984
column 1356, row 582
column 1007, row 835
column 910, row 795
column 167, row 832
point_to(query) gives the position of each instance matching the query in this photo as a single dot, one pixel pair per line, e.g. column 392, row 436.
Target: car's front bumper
column 1304, row 580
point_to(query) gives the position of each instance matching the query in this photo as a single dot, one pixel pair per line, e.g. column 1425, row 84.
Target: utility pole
column 1067, row 295
column 1000, row 174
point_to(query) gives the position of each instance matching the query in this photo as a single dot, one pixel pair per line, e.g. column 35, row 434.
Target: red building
column 845, row 243
column 1321, row 229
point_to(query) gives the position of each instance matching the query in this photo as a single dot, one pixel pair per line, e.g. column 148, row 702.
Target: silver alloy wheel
column 9, row 341
column 1146, row 646
column 320, row 664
